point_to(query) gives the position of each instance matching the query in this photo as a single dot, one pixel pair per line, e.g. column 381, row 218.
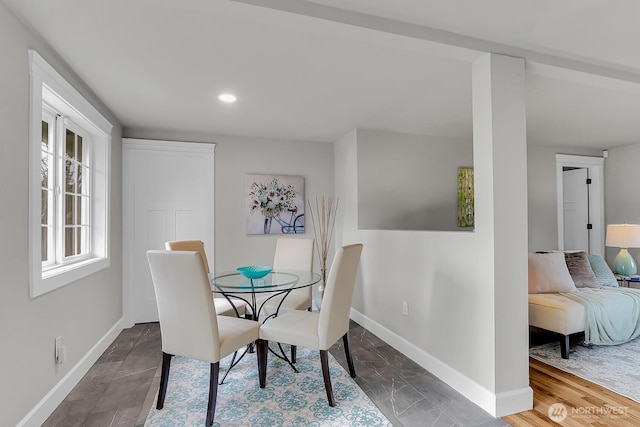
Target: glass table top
column 276, row 281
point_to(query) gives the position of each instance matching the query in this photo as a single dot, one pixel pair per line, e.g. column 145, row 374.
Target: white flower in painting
column 271, row 198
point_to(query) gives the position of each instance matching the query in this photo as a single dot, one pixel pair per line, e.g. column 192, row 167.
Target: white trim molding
column 46, row 84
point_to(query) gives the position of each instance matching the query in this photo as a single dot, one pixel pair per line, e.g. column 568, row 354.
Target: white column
column 500, row 162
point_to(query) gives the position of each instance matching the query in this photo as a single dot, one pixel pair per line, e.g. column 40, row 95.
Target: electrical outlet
column 60, row 351
column 405, row 308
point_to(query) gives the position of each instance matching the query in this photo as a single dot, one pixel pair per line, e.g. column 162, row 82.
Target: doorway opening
column 580, row 195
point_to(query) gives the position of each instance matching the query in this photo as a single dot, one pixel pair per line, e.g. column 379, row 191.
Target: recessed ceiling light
column 227, row 97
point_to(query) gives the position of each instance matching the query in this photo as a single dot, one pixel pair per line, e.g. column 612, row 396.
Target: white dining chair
column 318, row 330
column 292, row 253
column 223, row 306
column 189, row 325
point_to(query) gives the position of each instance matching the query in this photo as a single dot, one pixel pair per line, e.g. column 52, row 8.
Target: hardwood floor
column 121, row 387
column 586, row 403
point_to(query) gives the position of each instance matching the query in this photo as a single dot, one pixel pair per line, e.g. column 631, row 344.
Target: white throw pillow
column 549, row 273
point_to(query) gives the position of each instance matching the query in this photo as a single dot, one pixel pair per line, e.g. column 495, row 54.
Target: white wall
column 444, row 276
column 409, row 182
column 622, row 204
column 466, row 292
column 82, row 312
column 237, row 156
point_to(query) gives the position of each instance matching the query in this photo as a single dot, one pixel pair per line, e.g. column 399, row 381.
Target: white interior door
column 576, row 209
column 168, row 192
column 595, row 167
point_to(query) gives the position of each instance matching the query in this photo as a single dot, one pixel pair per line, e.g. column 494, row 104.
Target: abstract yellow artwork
column 465, row 197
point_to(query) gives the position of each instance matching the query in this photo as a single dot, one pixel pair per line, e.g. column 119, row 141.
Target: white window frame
column 48, row 86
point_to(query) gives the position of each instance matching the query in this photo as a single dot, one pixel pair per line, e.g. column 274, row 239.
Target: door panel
column 169, row 196
column 576, row 209
column 187, row 227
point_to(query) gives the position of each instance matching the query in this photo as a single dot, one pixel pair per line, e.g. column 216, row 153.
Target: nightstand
column 626, row 280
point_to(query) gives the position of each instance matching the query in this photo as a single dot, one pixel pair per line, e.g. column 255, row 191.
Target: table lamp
column 623, row 236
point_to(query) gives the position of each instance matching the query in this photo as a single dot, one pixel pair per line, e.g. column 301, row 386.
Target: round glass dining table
column 232, row 284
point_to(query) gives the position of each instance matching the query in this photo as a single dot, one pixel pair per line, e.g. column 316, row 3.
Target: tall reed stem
column 325, row 212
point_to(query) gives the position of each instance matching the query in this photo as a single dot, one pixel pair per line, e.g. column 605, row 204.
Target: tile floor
column 120, row 388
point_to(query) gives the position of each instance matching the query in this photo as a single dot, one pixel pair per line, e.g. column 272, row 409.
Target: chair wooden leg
column 293, row 353
column 263, row 349
column 324, row 360
column 164, row 379
column 347, row 352
column 213, row 392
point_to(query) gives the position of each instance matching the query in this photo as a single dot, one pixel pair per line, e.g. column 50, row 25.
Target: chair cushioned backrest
column 189, row 245
column 336, row 303
column 188, row 322
column 294, row 253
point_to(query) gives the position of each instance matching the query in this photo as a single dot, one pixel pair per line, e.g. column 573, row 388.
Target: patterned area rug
column 614, row 367
column 289, row 399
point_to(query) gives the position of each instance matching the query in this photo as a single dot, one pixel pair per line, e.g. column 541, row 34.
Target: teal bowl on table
column 254, row 271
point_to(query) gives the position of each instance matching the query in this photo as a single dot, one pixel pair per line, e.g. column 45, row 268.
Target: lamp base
column 624, row 263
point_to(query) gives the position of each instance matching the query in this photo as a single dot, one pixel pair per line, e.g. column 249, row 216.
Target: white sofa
column 556, row 313
column 550, row 274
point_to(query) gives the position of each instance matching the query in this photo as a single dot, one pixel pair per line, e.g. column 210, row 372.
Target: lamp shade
column 623, row 235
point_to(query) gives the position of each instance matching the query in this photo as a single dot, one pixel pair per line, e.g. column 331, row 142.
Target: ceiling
column 313, row 70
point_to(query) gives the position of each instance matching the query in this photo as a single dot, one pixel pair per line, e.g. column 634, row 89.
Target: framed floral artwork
column 275, row 204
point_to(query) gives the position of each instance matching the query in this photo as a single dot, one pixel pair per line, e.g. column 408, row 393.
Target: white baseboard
column 497, row 405
column 514, row 401
column 56, row 395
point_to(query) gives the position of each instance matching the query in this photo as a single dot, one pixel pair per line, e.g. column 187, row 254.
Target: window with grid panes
column 69, row 203
column 66, row 196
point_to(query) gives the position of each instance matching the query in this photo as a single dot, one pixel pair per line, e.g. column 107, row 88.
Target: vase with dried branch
column 323, row 219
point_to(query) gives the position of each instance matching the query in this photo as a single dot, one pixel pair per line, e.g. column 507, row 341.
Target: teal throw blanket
column 612, row 314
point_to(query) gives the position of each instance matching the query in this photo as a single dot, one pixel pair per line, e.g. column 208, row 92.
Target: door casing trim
column 595, row 165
